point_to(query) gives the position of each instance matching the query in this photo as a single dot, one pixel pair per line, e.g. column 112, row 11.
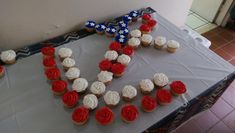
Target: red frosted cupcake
column 104, row 116
column 164, row 97
column 178, row 88
column 128, row 50
column 146, row 18
column 148, row 103
column 145, row 29
column 53, row 74
column 59, row 87
column 70, row 99
column 80, row 115
column 48, row 51
column 115, row 46
column 118, row 69
column 152, row 23
column 2, row 71
column 49, row 63
column 105, row 65
column 129, row 113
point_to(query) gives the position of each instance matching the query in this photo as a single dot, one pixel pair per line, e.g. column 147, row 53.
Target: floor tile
column 223, row 54
column 221, row 108
column 232, row 62
column 229, row 95
column 227, row 35
column 230, row 48
column 213, row 47
column 230, row 120
column 190, row 127
column 217, row 40
column 220, row 128
column 194, row 22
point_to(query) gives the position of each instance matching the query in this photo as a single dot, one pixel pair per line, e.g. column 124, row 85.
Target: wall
column 25, row 22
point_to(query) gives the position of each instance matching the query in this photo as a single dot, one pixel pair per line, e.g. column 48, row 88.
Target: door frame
column 222, row 15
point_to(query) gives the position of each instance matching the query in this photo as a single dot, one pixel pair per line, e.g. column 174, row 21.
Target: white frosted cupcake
column 90, row 101
column 111, row 98
column 8, row 56
column 80, row 85
column 124, row 59
column 134, row 42
column 64, row 53
column 146, row 40
column 68, row 63
column 105, row 77
column 172, row 46
column 146, row 86
column 97, row 88
column 72, row 74
column 111, row 55
column 129, row 93
column 159, row 42
column 135, row 33
column 160, row 80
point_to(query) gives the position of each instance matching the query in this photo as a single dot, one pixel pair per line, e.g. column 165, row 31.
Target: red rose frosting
column 178, row 87
column 146, row 17
column 145, row 27
column 164, row 96
column 152, row 23
column 52, row 73
column 49, row 62
column 115, row 46
column 128, row 50
column 129, row 112
column 117, row 68
column 80, row 114
column 104, row 115
column 70, row 98
column 148, row 103
column 105, row 65
column 59, row 85
column 1, row 69
column 48, row 50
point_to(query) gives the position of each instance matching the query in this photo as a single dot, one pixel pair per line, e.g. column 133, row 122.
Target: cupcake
column 146, row 86
column 145, row 29
column 124, row 59
column 148, row 103
column 80, row 115
column 121, row 39
column 123, row 31
column 70, row 99
column 100, row 29
column 2, row 71
column 90, row 26
column 49, row 63
column 134, row 42
column 59, row 87
column 105, row 77
column 118, row 69
column 68, row 63
column 90, row 101
column 159, row 42
column 111, row 55
column 160, row 80
column 64, row 53
column 164, row 97
column 104, row 116
column 127, row 19
column 152, row 24
column 178, row 88
column 111, row 98
column 72, row 74
column 80, row 85
column 115, row 46
column 146, row 40
column 134, row 15
column 53, row 74
column 105, row 65
column 135, row 33
column 129, row 113
column 146, row 18
column 129, row 93
column 97, row 88
column 110, row 31
column 172, row 46
column 8, row 57
column 122, row 24
column 128, row 50
column 48, row 51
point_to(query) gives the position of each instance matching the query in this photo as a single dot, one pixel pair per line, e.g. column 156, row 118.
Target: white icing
column 146, row 85
column 97, row 87
column 68, row 62
column 90, row 101
column 72, row 73
column 129, row 91
column 65, row 52
column 146, row 38
column 111, row 55
column 124, row 59
column 8, row 55
column 112, row 97
column 135, row 33
column 160, row 79
column 173, row 44
column 134, row 42
column 105, row 76
column 80, row 84
column 160, row 40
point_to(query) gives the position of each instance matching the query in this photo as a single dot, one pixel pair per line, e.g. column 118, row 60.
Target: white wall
column 23, row 22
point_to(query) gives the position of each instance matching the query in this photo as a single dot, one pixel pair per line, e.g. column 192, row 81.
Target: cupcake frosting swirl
column 80, row 84
column 173, row 44
column 97, row 87
column 135, row 33
column 129, row 91
column 111, row 97
column 111, row 55
column 104, row 115
column 68, row 62
column 70, row 98
column 129, row 112
column 8, row 55
column 134, row 42
column 160, row 40
column 90, row 101
column 80, row 114
column 146, row 85
column 160, row 79
column 72, row 73
column 105, row 76
column 147, row 38
column 65, row 52
column 124, row 59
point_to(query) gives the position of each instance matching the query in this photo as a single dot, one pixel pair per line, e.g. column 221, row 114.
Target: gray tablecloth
column 27, row 104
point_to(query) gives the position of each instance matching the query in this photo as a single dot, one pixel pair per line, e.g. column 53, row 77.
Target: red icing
column 59, row 85
column 178, row 87
column 146, row 17
column 128, row 50
column 164, row 96
column 115, row 46
column 49, row 62
column 80, row 114
column 49, row 51
column 1, row 69
column 152, row 23
column 129, row 112
column 145, row 27
column 70, row 98
column 117, row 68
column 104, row 115
column 52, row 73
column 148, row 103
column 105, row 65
